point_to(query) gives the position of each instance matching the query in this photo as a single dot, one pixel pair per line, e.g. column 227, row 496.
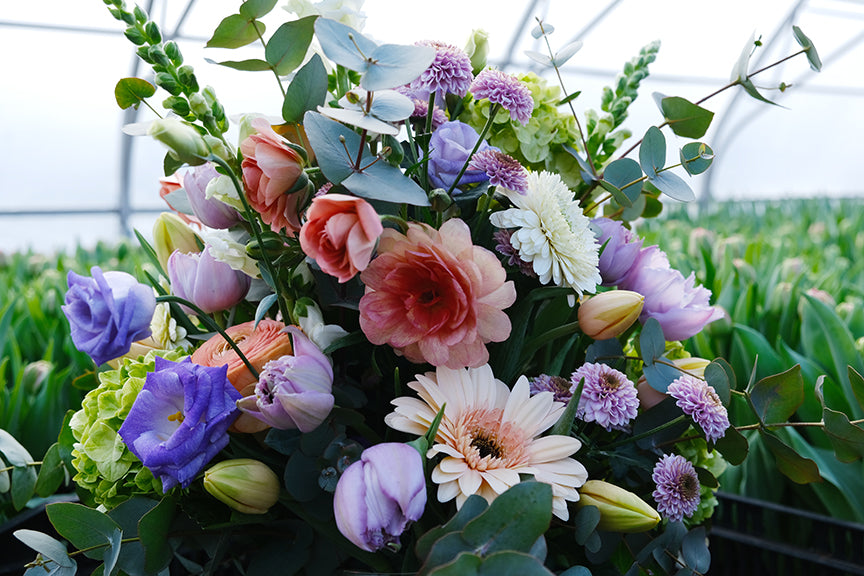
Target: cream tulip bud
column 609, row 314
column 245, row 485
column 620, row 510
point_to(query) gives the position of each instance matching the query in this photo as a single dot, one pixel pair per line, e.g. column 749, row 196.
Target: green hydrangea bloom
column 696, row 451
column 105, row 466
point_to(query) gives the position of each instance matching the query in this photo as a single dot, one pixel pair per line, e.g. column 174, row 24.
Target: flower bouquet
column 406, row 327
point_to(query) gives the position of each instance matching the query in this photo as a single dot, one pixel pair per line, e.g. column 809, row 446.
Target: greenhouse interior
column 491, row 287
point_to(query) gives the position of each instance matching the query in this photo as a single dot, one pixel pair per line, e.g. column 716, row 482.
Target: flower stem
column 647, row 433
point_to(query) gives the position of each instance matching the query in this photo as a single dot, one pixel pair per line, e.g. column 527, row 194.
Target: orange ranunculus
column 270, row 169
column 436, row 297
column 266, row 342
column 340, row 234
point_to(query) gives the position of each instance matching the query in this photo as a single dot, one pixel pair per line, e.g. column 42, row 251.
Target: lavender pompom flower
column 506, row 249
column 180, row 419
column 700, row 402
column 507, row 91
column 503, row 170
column 677, row 493
column 608, row 397
column 421, row 109
column 449, row 73
column 560, row 387
column 107, row 312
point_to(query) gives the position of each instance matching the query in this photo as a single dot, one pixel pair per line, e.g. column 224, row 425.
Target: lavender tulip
column 293, row 391
column 379, row 495
column 206, row 282
column 449, row 148
column 210, row 212
column 180, row 419
column 620, row 252
column 107, row 312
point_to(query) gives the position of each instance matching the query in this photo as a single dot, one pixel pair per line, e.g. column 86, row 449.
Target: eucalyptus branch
column 493, row 111
column 10, row 468
column 570, row 102
column 272, row 68
column 647, row 433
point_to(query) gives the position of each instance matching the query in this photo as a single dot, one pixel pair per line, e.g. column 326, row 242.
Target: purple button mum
column 503, row 170
column 180, row 420
column 504, row 247
column 559, row 386
column 677, row 493
column 608, row 396
column 449, row 73
column 107, row 312
column 506, row 90
column 700, row 402
column 621, row 248
column 449, row 148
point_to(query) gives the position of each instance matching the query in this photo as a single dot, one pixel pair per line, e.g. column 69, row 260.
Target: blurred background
column 69, row 177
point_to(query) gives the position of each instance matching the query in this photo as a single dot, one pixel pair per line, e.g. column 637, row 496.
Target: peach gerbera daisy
column 489, row 435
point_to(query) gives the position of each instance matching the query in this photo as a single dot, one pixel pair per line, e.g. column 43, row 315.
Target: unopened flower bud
column 609, row 314
column 478, row 49
column 185, row 143
column 170, row 233
column 620, row 510
column 245, row 485
column 439, row 199
column 199, row 104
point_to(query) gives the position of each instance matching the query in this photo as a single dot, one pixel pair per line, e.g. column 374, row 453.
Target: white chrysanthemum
column 490, row 435
column 552, row 233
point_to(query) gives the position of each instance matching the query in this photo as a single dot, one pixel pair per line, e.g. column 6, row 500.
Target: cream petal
column 452, row 465
column 500, row 479
column 448, row 491
column 559, row 508
column 551, row 448
column 470, row 482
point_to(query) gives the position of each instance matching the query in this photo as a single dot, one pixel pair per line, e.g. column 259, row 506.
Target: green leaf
column 856, row 382
column 733, row 446
column 718, row 378
column 381, row 181
column 23, row 476
column 130, row 92
column 509, row 563
column 235, row 31
column 652, row 152
column 846, row 438
column 332, row 143
column 660, row 375
column 250, row 65
column 263, row 307
column 652, row 343
column 252, row 9
column 307, row 91
column 576, row 571
column 807, row 45
column 696, row 157
column 46, row 546
column 626, row 177
column 514, row 520
column 655, row 418
column 694, row 549
column 673, row 186
column 127, row 515
column 794, row 466
column 153, row 531
column 777, row 397
column 83, row 526
column 585, row 523
column 288, row 45
column 569, row 98
column 473, row 507
column 109, row 561
column 684, row 118
column 51, row 473
column 465, row 564
column 753, row 92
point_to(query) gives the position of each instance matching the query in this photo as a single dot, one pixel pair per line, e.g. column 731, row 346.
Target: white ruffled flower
column 552, row 233
column 347, row 12
column 312, row 324
column 222, row 188
column 165, row 331
column 227, row 247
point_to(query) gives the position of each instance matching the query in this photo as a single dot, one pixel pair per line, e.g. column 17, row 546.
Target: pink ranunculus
column 435, row 297
column 340, row 234
column 270, row 169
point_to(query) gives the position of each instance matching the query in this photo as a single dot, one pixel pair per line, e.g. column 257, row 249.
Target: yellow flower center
column 486, row 443
column 178, row 417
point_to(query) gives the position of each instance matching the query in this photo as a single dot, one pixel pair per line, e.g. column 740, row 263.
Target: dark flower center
column 487, row 445
column 688, row 486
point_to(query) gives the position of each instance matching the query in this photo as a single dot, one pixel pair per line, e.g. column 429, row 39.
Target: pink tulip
column 206, row 282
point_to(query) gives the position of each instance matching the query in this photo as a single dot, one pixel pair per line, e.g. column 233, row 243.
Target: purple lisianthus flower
column 506, row 90
column 621, row 248
column 180, row 419
column 677, row 493
column 608, row 396
column 681, row 307
column 700, row 402
column 107, row 312
column 295, row 391
column 449, row 148
column 449, row 73
column 210, row 212
column 559, row 386
column 503, row 170
column 206, row 282
column 379, row 495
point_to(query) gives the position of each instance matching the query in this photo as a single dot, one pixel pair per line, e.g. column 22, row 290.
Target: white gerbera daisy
column 489, row 435
column 553, row 233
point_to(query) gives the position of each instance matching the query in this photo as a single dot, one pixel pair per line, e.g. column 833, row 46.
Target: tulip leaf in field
column 652, row 152
column 235, row 31
column 733, row 446
column 791, row 464
column 856, row 382
column 288, row 45
column 625, row 178
column 809, row 48
column 776, row 398
column 130, row 92
column 684, row 118
column 696, row 157
column 846, row 438
column 307, row 91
